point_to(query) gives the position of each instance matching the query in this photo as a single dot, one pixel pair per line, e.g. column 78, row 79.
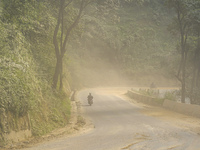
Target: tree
column 195, row 84
column 194, row 16
column 183, row 26
column 61, row 35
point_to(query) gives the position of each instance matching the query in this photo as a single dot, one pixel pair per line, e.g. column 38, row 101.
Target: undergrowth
column 27, row 100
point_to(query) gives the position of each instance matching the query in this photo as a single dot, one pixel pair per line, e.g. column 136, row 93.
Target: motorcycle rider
column 90, row 97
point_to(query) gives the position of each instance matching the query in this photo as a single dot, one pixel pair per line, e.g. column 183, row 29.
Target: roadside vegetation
column 27, row 62
column 169, row 95
column 49, row 47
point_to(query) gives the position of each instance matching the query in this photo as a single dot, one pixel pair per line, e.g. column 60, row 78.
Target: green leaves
column 30, row 17
column 26, row 67
column 14, row 68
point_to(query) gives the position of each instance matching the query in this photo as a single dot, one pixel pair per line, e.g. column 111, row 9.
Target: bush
column 171, row 95
column 16, row 76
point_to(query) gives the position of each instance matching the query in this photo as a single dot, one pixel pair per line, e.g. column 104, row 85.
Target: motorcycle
column 90, row 102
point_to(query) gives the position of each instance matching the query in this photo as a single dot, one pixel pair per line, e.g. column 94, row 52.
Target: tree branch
column 179, row 70
column 68, row 3
column 179, row 79
column 72, row 26
column 62, row 25
column 55, row 42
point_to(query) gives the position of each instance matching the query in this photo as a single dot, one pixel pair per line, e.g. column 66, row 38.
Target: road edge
column 77, row 124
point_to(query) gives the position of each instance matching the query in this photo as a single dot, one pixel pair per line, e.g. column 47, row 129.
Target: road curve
column 120, row 125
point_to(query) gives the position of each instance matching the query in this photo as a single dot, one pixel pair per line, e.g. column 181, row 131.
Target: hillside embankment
column 24, row 138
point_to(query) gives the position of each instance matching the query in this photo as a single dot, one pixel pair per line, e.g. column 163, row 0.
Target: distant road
column 121, row 125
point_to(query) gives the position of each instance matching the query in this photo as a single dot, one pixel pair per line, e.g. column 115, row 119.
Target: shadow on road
column 85, row 105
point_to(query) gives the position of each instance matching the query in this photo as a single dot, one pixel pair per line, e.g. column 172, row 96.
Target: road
column 122, row 125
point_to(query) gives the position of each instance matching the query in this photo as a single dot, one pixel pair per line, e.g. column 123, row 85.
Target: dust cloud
column 104, row 74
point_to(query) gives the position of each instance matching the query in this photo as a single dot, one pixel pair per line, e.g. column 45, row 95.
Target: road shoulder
column 186, row 122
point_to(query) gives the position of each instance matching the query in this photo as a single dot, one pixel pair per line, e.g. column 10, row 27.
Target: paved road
column 119, row 124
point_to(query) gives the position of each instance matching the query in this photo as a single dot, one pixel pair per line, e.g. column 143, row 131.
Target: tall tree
column 62, row 33
column 194, row 16
column 182, row 25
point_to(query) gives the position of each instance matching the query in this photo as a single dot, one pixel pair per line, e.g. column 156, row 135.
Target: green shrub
column 171, row 95
column 16, row 76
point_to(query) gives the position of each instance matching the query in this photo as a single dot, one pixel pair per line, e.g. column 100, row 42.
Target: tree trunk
column 56, row 73
column 57, row 49
column 198, row 59
column 61, row 74
column 192, row 85
column 198, row 78
column 60, row 48
column 183, row 78
column 183, row 40
column 195, row 73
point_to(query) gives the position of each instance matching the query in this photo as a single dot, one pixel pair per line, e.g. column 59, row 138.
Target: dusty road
column 123, row 125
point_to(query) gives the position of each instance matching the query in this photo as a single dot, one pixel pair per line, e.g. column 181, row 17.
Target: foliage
column 114, row 39
column 53, row 112
column 186, row 25
column 26, row 69
column 171, row 95
column 64, row 27
column 130, row 40
column 149, row 92
column 16, row 81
